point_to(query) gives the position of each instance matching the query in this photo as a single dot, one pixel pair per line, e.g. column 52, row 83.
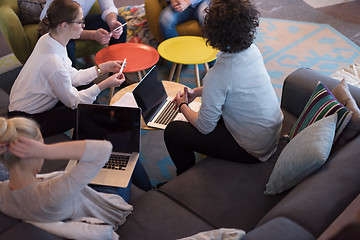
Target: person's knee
column 167, row 17
column 171, row 131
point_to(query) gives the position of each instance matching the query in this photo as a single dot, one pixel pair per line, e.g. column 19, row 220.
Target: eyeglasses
column 82, row 22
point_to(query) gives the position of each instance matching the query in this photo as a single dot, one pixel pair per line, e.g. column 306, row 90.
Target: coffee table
column 171, row 88
column 191, row 50
column 138, row 57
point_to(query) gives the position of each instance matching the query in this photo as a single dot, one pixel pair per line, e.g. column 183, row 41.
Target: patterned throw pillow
column 30, row 10
column 321, row 104
column 137, row 31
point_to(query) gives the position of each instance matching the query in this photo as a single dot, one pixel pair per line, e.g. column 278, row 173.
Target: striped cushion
column 321, row 104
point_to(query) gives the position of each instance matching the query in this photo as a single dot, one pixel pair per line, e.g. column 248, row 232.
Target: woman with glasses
column 98, row 27
column 45, row 89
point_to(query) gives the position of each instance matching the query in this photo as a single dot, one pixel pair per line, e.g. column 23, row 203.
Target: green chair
column 22, row 39
column 153, row 9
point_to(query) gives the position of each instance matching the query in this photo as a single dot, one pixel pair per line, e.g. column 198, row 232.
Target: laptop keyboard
column 117, row 162
column 168, row 114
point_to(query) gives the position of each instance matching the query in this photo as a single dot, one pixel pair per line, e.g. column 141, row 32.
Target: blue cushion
column 303, row 155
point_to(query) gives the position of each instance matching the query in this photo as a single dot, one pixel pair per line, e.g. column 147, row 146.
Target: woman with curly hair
column 240, row 118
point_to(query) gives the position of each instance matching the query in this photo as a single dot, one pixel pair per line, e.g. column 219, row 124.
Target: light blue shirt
column 238, row 89
column 106, row 6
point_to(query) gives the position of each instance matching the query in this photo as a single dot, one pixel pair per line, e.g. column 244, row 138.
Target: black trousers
column 57, row 120
column 182, row 140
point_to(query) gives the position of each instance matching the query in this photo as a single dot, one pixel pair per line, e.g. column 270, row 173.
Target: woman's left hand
column 27, row 148
column 111, row 66
column 181, row 97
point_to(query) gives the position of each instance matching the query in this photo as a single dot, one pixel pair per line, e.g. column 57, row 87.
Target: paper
column 127, row 100
column 195, row 106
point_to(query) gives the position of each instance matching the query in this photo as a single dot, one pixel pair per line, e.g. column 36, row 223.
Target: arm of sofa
column 280, row 229
column 14, row 33
column 299, row 85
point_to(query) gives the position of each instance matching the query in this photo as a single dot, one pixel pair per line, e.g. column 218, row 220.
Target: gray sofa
column 221, row 194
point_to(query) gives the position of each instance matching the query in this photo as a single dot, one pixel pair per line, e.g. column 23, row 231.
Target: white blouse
column 48, row 77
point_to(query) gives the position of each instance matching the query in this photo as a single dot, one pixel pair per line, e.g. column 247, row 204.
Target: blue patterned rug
column 286, row 46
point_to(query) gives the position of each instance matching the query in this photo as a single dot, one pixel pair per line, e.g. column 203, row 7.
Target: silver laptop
column 150, row 95
column 120, row 126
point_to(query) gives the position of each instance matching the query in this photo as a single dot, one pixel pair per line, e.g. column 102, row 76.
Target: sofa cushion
column 30, row 10
column 280, row 229
column 306, row 153
column 343, row 95
column 321, row 104
column 215, row 189
column 221, row 181
column 323, row 195
column 157, row 217
column 26, row 231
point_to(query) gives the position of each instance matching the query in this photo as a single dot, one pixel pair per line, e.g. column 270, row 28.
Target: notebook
column 150, row 95
column 120, row 126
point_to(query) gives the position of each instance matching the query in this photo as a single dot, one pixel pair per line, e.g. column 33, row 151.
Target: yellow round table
column 189, row 50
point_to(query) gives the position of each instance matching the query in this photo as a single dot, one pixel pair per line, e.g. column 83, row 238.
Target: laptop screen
column 150, row 94
column 119, row 125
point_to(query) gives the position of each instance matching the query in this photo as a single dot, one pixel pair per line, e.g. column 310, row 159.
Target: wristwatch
column 99, row 70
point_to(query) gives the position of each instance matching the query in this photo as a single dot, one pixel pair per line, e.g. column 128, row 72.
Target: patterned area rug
column 285, row 45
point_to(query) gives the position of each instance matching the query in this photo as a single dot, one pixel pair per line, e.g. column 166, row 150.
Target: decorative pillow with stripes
column 322, row 103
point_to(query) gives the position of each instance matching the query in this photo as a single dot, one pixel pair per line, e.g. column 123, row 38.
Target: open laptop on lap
column 120, row 126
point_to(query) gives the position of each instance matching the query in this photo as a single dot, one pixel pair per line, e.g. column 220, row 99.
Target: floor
column 340, row 14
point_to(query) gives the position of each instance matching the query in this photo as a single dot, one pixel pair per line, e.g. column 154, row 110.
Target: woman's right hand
column 113, row 81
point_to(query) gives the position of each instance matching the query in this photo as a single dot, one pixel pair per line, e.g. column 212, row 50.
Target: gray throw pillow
column 30, row 10
column 303, row 155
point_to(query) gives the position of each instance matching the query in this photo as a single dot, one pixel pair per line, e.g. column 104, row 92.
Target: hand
column 180, row 5
column 111, row 66
column 181, row 97
column 113, row 81
column 101, row 36
column 116, row 34
column 27, row 148
column 191, row 95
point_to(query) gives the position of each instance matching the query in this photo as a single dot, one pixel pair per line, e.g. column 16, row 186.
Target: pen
column 122, row 66
column 119, row 27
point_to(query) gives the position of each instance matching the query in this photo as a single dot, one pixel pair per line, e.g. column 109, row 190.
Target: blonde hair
column 11, row 129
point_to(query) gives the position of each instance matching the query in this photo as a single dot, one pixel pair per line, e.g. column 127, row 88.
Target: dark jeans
column 139, row 179
column 94, row 22
column 182, row 140
column 57, row 120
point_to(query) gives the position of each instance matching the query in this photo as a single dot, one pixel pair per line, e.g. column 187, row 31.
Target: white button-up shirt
column 48, row 77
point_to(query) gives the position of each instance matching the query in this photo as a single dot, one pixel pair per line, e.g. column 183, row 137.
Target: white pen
column 119, row 27
column 122, row 66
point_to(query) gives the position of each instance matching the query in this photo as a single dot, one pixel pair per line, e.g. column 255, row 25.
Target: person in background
column 240, row 114
column 179, row 11
column 97, row 27
column 45, row 89
column 63, row 195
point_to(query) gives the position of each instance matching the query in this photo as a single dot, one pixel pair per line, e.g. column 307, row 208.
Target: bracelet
column 99, row 70
column 181, row 105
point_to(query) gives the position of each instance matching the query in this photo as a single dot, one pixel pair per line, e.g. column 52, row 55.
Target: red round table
column 138, row 57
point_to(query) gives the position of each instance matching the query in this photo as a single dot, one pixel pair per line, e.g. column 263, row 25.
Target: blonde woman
column 61, row 197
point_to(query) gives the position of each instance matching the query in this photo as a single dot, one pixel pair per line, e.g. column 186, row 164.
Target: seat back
column 22, row 39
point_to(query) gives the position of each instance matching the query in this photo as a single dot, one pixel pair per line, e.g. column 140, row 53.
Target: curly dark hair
column 230, row 25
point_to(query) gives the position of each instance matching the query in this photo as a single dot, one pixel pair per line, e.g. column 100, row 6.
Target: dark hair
column 230, row 25
column 58, row 12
